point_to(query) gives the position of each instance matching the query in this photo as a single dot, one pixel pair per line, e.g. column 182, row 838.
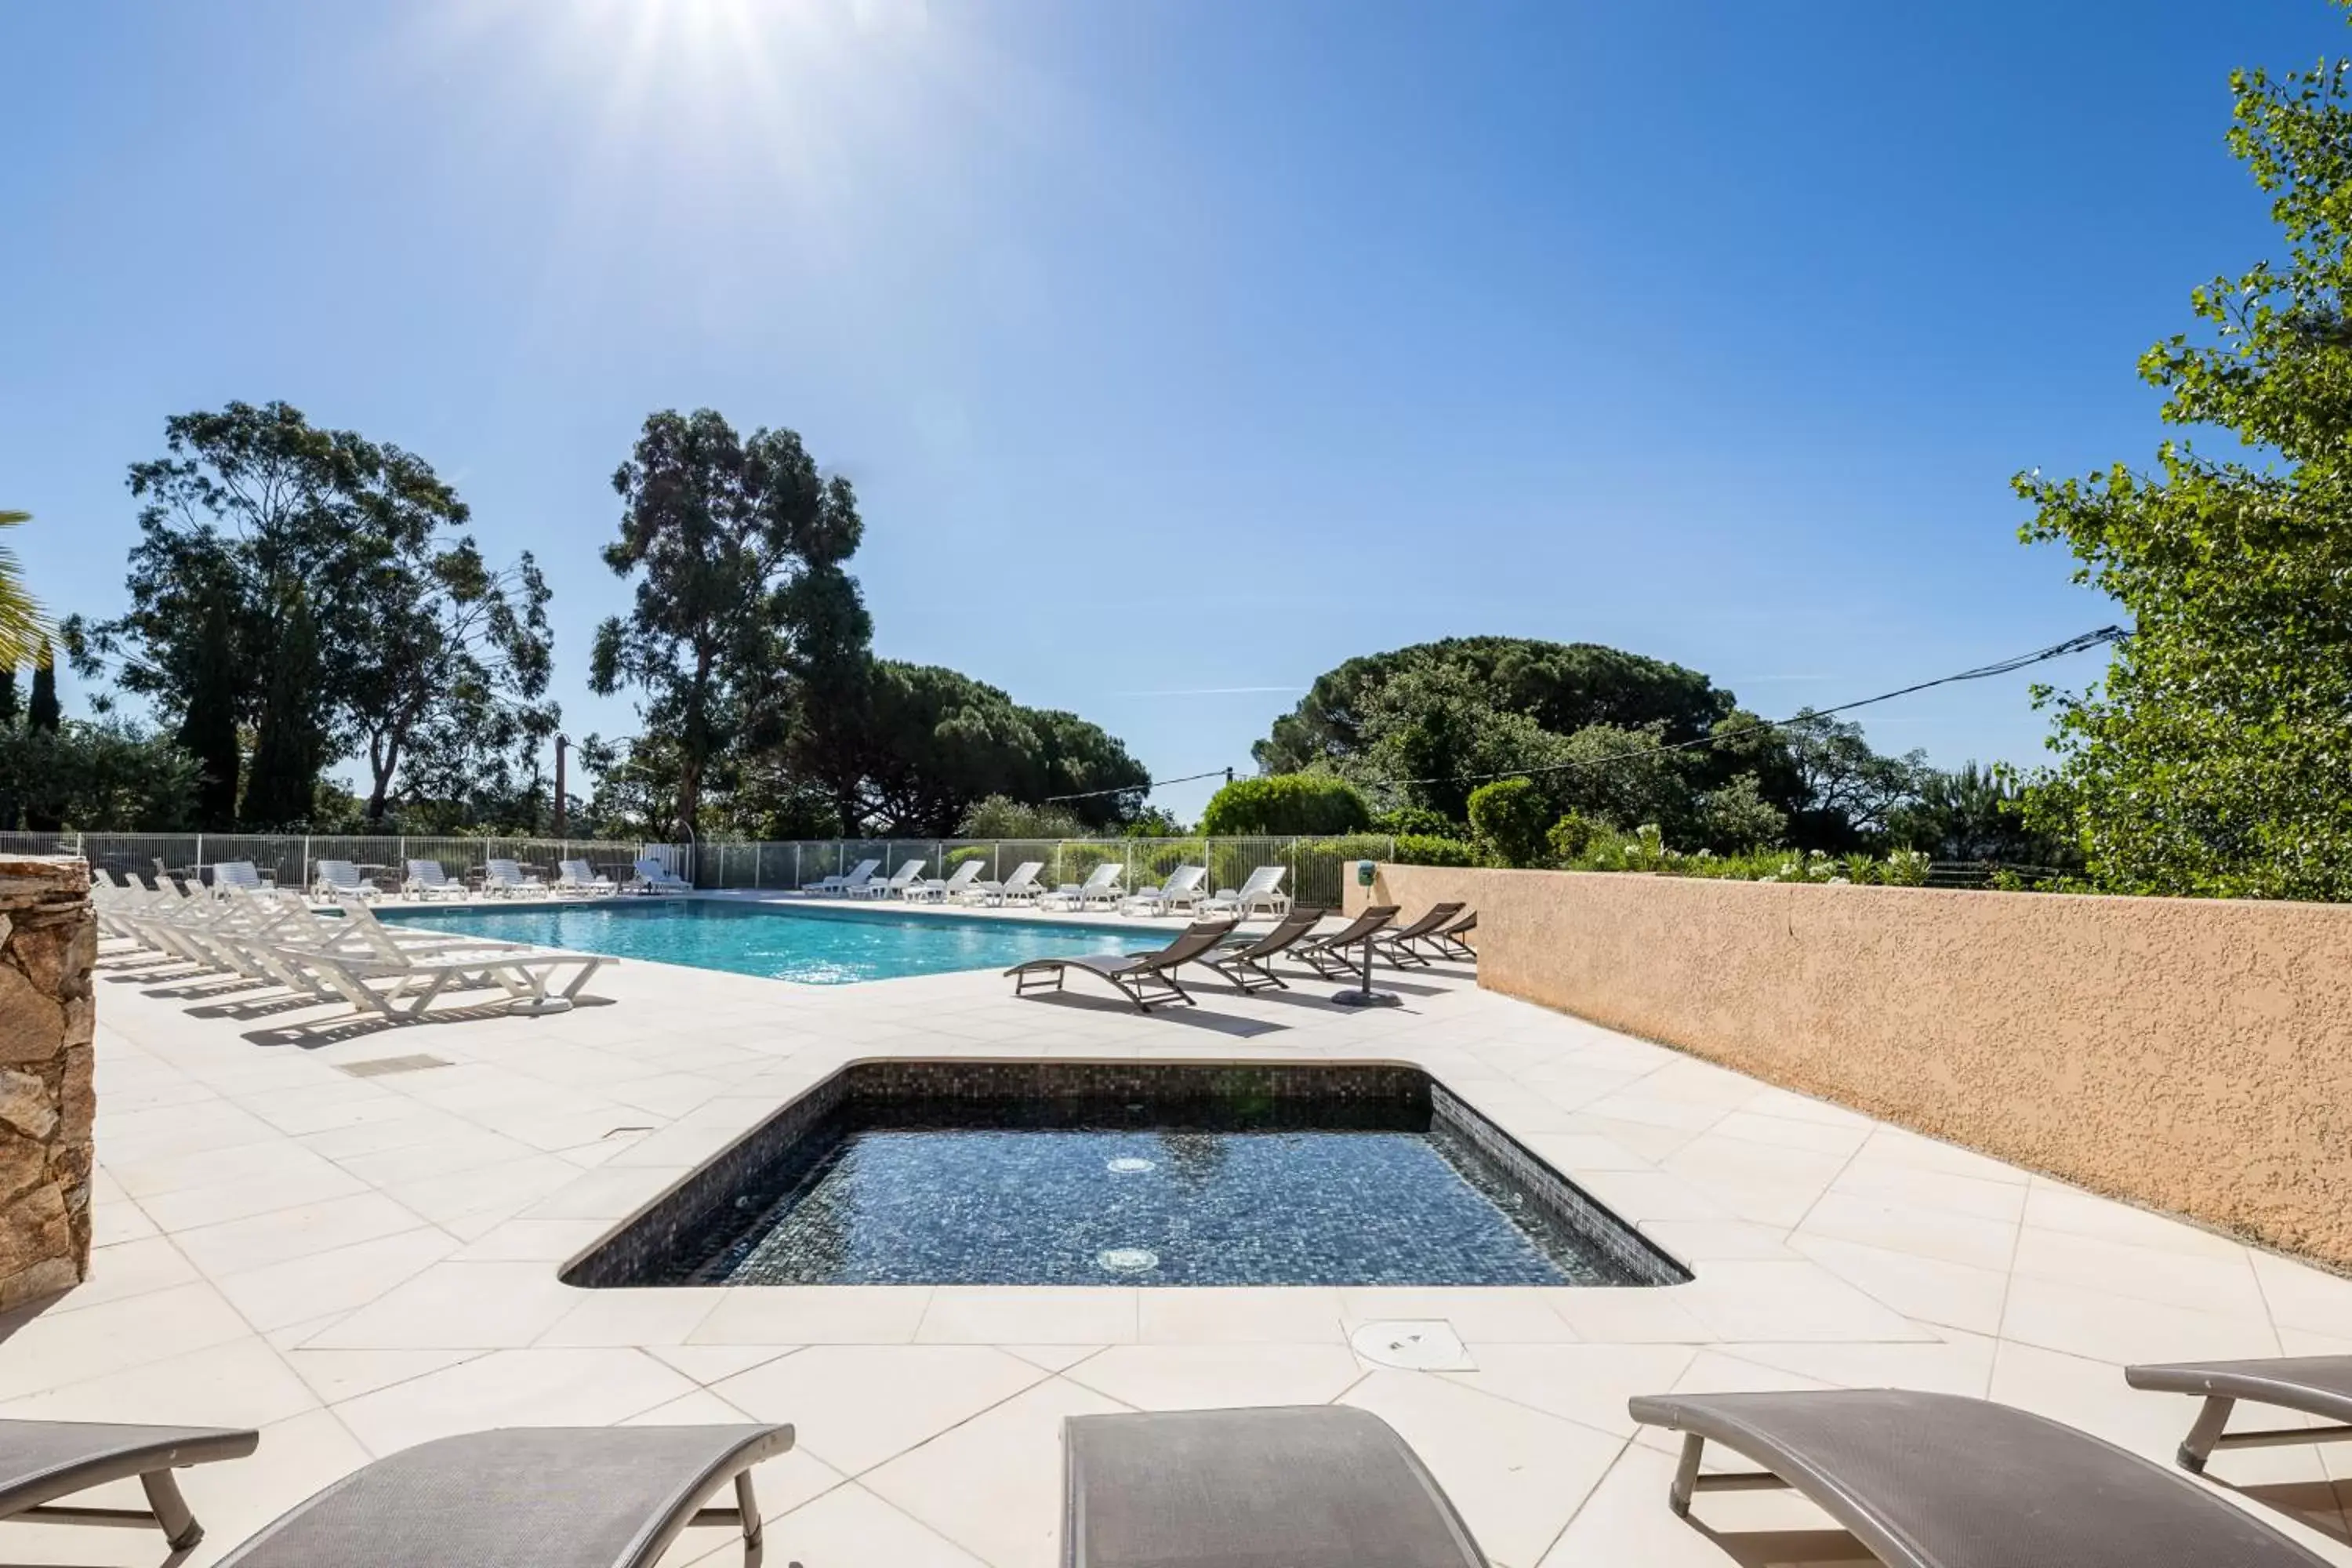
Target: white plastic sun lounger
column 952, row 888
column 529, row 976
column 652, row 877
column 1101, row 886
column 578, row 877
column 506, row 878
column 1021, row 888
column 874, row 888
column 429, row 880
column 841, row 882
column 1261, row 890
column 340, row 880
column 1182, row 890
column 227, row 874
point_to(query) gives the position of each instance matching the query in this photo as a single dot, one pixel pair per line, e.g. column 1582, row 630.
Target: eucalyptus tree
column 744, row 623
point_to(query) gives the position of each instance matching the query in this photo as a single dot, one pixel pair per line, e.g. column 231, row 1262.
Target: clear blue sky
column 1179, row 349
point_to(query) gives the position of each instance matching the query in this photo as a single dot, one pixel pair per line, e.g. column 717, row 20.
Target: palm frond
column 25, row 632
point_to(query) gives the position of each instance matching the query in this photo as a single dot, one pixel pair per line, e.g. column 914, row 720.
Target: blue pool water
column 816, row 946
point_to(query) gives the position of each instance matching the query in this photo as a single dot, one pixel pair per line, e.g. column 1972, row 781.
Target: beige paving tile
column 639, row 1317
column 1633, row 1314
column 2299, row 1297
column 296, row 1458
column 238, row 1383
column 1643, row 1197
column 1517, row 1475
column 338, row 1375
column 236, row 1246
column 713, row 1363
column 992, row 1314
column 55, row 1350
column 1791, row 1301
column 851, row 1527
column 128, row 1269
column 993, row 1485
column 553, row 1241
column 1961, row 1364
column 1708, row 1240
column 1489, row 1314
column 1292, row 1315
column 1053, row 1358
column 1891, row 1225
column 2052, row 1205
column 341, row 1278
column 2205, row 1282
column 1927, row 1289
column 513, row 1388
column 185, row 1208
column 457, row 1306
column 1585, row 1384
column 1625, row 1523
column 804, row 1315
column 853, row 1407
column 1218, row 1376
column 1871, row 1174
column 2107, row 1327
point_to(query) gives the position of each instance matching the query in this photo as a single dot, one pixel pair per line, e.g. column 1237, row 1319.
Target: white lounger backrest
column 236, row 874
column 653, row 870
column 505, row 870
column 864, row 869
column 1025, row 874
column 428, row 873
column 1184, row 879
column 339, row 874
column 1104, row 875
column 906, row 873
column 1264, row 879
column 965, row 875
column 578, row 870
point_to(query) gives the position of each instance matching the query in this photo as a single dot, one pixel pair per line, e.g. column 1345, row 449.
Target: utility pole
column 561, row 741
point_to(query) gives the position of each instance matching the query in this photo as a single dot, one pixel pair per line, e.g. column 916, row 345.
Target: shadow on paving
column 345, row 1027
column 1171, row 1013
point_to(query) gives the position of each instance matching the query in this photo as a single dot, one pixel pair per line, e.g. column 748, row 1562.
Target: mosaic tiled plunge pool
column 910, row 1172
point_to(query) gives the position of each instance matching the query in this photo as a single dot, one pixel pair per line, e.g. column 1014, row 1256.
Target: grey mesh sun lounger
column 551, row 1497
column 41, row 1461
column 1937, row 1480
column 1244, row 962
column 1398, row 946
column 2313, row 1385
column 1328, row 955
column 1318, row 1486
column 1146, row 979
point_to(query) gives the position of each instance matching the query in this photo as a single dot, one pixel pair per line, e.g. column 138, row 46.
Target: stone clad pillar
column 48, row 942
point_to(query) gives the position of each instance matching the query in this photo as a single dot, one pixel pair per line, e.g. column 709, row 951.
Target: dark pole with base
column 1365, row 995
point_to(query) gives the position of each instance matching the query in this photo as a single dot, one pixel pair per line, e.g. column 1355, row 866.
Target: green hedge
column 1286, row 803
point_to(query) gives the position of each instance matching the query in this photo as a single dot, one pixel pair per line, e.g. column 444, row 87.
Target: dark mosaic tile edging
column 1569, row 1204
column 636, row 1253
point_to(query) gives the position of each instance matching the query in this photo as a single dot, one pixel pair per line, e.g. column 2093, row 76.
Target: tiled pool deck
column 358, row 1263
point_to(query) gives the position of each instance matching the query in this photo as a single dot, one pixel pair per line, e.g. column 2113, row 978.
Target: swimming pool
column 814, row 946
column 1058, row 1173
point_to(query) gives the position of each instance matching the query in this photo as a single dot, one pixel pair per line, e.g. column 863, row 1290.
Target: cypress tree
column 7, row 697
column 43, row 713
column 287, row 749
column 208, row 728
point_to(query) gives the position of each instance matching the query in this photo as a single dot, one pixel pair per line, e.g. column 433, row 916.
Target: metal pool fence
column 288, row 858
column 1316, row 869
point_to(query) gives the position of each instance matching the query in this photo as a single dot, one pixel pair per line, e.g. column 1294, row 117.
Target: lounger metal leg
column 754, row 1541
column 172, row 1512
column 1678, row 1495
column 2199, row 1445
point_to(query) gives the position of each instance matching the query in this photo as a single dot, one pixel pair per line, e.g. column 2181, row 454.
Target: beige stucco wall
column 2193, row 1055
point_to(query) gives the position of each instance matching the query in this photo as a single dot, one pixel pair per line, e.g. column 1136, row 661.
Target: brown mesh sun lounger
column 1319, row 1486
column 555, row 1497
column 1937, row 1480
column 1397, row 946
column 1244, row 962
column 2313, row 1385
column 1448, row 941
column 41, row 1461
column 1146, row 979
column 1328, row 955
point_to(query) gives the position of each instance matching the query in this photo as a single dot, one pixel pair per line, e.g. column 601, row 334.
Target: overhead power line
column 2072, row 645
column 1227, row 773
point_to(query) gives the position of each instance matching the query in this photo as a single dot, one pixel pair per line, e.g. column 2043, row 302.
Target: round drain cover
column 1129, row 1165
column 1127, row 1259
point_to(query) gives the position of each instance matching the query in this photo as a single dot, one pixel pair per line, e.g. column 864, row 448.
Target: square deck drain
column 383, row 1065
